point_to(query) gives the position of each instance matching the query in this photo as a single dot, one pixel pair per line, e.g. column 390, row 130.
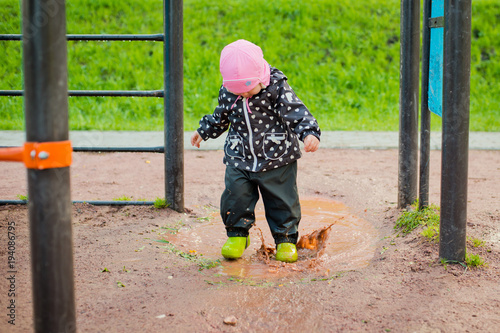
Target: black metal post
column 46, row 110
column 408, row 102
column 425, row 121
column 455, row 144
column 174, row 106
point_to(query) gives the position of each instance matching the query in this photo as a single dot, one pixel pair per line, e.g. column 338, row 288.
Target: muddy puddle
column 335, row 240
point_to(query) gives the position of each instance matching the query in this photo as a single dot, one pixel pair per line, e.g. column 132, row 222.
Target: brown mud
column 367, row 279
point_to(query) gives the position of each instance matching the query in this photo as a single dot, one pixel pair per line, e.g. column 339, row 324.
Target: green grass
column 160, row 203
column 471, row 260
column 474, row 260
column 431, row 232
column 341, row 57
column 22, row 197
column 476, row 242
column 123, row 198
column 203, row 263
column 413, row 218
column 429, row 217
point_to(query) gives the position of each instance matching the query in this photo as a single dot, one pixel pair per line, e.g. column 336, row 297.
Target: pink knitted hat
column 243, row 67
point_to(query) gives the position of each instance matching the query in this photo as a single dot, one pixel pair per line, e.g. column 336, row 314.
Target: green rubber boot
column 234, row 247
column 286, row 252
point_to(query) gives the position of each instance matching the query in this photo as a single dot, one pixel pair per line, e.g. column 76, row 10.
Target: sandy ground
column 398, row 286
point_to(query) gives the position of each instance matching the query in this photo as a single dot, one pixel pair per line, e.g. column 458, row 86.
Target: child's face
column 252, row 92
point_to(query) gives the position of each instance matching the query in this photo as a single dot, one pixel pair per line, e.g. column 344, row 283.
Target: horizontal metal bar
column 91, row 202
column 436, row 22
column 153, row 37
column 116, row 203
column 81, row 37
column 117, row 93
column 10, row 37
column 11, row 93
column 98, row 93
column 13, row 202
column 159, row 149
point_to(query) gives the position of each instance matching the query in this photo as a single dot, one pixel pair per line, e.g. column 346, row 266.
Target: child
column 265, row 120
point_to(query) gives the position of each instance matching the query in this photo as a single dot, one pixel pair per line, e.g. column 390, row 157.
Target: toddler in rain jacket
column 266, row 120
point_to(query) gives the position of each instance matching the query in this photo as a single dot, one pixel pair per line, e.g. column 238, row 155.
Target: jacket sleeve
column 213, row 125
column 295, row 114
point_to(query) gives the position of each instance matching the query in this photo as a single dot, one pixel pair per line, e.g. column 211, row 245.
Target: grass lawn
column 341, row 57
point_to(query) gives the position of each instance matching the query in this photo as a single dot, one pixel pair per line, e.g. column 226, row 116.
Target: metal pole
column 408, row 102
column 173, row 103
column 152, row 37
column 455, row 144
column 46, row 110
column 90, row 202
column 425, row 122
column 98, row 93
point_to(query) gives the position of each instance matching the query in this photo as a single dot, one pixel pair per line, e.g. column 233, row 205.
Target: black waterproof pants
column 278, row 188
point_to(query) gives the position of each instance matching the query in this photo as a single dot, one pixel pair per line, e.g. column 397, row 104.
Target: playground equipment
column 47, row 153
column 408, row 99
column 172, row 94
column 45, row 70
column 455, row 83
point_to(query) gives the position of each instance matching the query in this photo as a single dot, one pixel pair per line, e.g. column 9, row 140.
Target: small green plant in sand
column 171, row 228
column 140, row 249
column 476, row 242
column 431, row 232
column 207, row 264
column 193, row 256
column 414, row 217
column 22, row 197
column 122, row 198
column 474, row 260
column 444, row 262
column 160, row 203
column 203, row 219
column 210, row 212
column 471, row 260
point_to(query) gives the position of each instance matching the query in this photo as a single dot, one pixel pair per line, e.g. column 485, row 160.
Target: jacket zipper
column 250, row 135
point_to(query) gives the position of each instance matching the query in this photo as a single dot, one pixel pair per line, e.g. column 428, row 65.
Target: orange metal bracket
column 40, row 155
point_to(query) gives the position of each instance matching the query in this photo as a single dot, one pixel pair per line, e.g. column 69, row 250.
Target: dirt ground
column 128, row 279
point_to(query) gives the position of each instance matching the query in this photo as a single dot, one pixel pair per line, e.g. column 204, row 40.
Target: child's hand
column 311, row 143
column 196, row 139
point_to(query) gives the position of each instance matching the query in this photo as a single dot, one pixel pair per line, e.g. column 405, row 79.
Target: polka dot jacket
column 264, row 129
